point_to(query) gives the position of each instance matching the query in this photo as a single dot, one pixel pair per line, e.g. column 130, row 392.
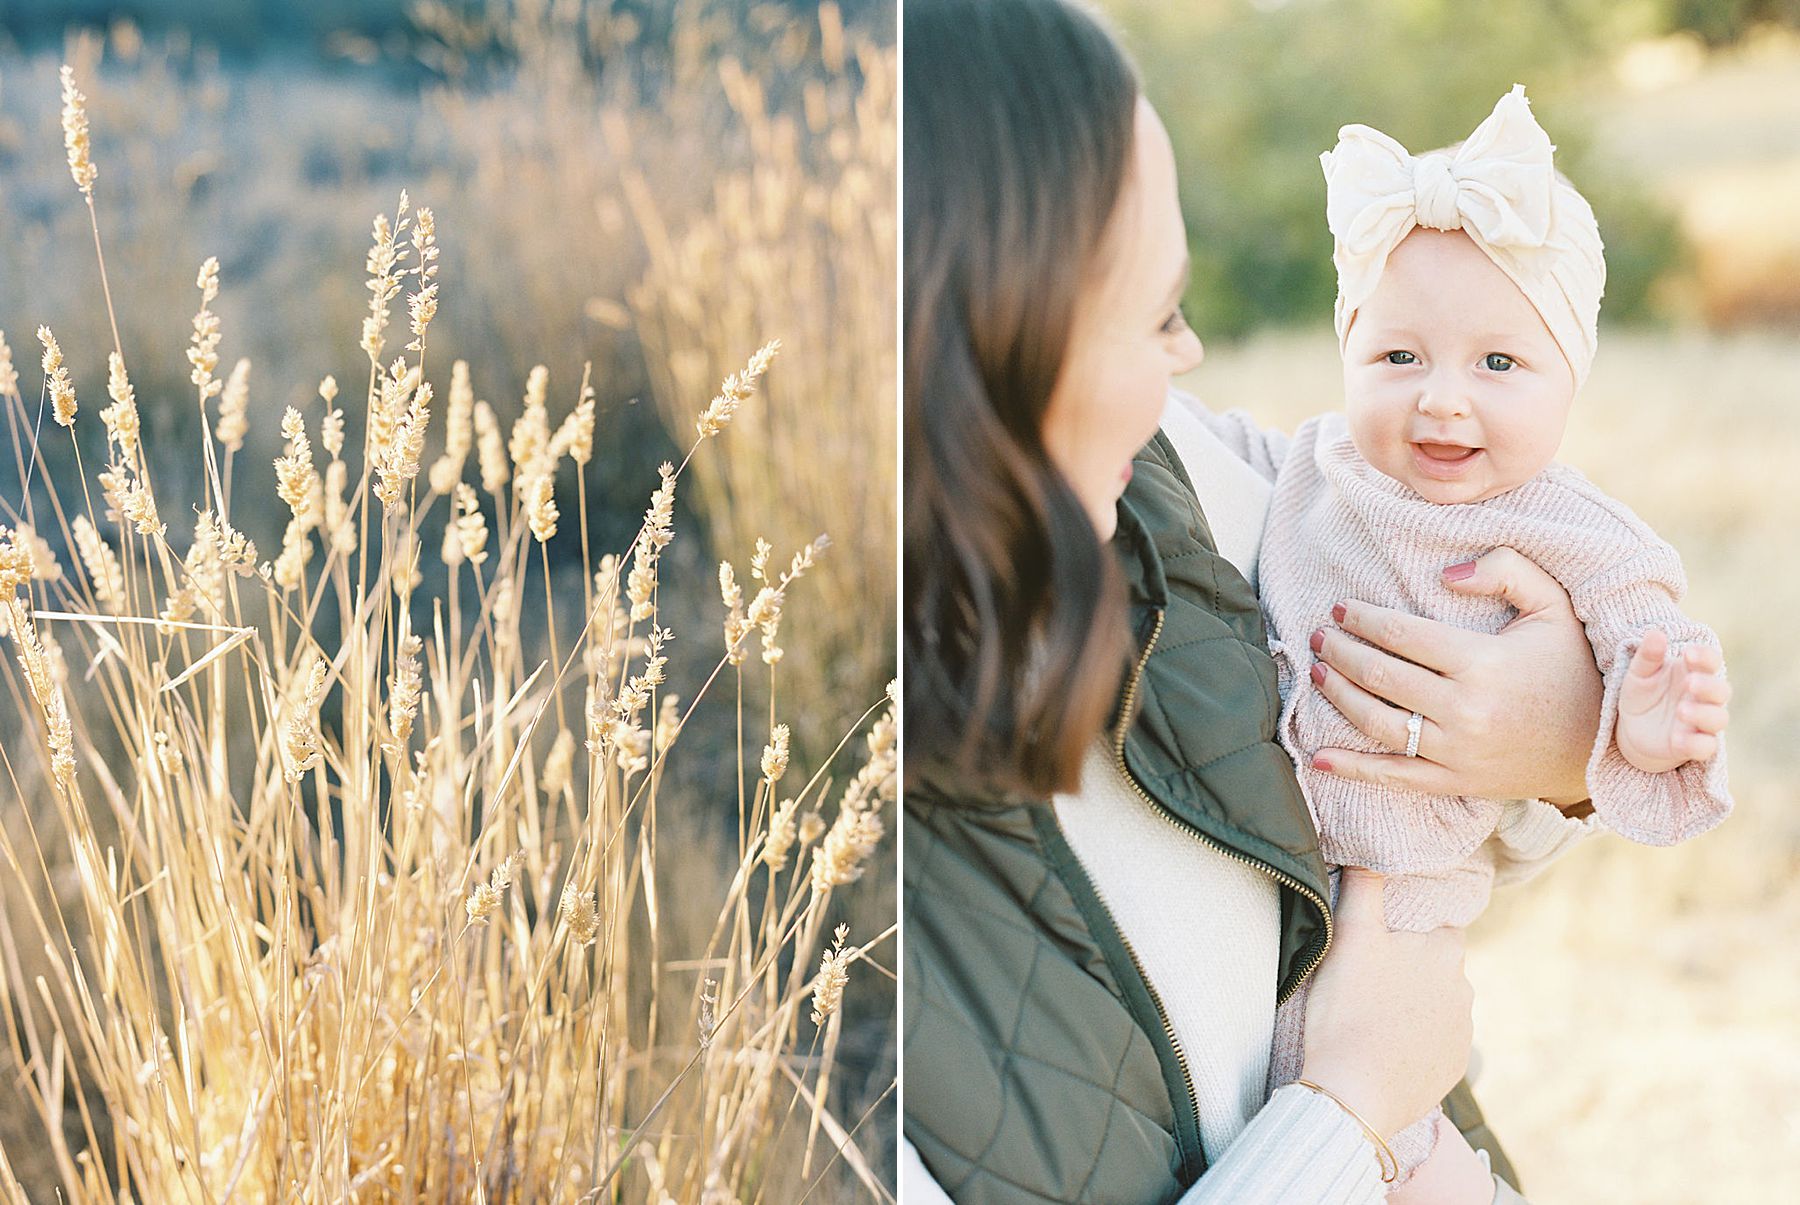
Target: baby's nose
column 1443, row 400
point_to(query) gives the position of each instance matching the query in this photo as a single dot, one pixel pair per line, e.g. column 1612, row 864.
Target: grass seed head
column 735, row 390
column 340, row 527
column 491, row 450
column 530, row 437
column 539, row 486
column 383, row 258
column 839, row 859
column 304, row 744
column 709, row 1012
column 399, row 463
column 775, row 755
column 459, row 431
column 580, row 428
column 15, row 564
column 482, row 901
column 121, row 418
column 234, row 406
column 403, row 693
column 422, row 305
column 75, row 133
column 9, row 375
column 56, row 373
column 471, row 525
column 737, row 627
column 43, row 561
column 782, row 832
column 834, row 974
column 129, row 500
column 203, row 354
column 296, row 481
column 289, row 570
column 668, row 722
column 580, row 914
column 559, row 766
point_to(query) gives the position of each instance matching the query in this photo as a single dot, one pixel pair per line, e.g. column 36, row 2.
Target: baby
column 1469, row 286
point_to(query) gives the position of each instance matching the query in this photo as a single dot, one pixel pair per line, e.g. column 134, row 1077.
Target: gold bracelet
column 1384, row 1155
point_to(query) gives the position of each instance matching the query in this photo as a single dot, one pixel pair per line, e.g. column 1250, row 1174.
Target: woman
column 1110, row 874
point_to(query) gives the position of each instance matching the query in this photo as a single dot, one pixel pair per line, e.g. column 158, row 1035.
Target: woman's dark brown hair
column 1019, row 119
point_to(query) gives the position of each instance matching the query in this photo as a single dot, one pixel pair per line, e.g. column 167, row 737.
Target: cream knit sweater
column 1191, row 912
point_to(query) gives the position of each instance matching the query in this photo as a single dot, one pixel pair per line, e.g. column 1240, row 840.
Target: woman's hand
column 1388, row 1021
column 1508, row 716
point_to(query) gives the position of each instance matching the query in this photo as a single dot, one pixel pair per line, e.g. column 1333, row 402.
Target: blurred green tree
column 1253, row 92
column 1724, row 21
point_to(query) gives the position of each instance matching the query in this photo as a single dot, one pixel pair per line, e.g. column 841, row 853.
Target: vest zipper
column 1124, row 726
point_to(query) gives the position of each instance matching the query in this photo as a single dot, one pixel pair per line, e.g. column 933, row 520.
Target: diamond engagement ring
column 1414, row 723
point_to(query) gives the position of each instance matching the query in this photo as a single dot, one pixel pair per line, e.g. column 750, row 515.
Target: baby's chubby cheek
column 1379, row 433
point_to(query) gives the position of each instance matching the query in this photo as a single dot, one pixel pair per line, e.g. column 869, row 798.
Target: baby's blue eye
column 1175, row 323
column 1401, row 357
column 1496, row 362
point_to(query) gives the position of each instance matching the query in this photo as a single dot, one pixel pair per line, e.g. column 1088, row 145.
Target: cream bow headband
column 1501, row 188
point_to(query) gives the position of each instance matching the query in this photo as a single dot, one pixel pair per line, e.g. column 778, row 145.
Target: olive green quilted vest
column 1039, row 1066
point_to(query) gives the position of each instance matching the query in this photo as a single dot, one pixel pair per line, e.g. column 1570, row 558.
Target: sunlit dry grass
column 760, row 183
column 326, row 883
column 1636, row 1008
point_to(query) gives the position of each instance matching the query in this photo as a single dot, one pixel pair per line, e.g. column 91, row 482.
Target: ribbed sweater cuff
column 1301, row 1149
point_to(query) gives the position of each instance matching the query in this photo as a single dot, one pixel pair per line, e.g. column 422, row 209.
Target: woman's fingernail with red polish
column 1318, row 674
column 1337, row 613
column 1319, row 763
column 1317, row 641
column 1457, row 573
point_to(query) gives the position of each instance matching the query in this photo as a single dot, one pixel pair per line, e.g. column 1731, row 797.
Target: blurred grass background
column 1637, row 1010
column 612, row 181
column 655, row 187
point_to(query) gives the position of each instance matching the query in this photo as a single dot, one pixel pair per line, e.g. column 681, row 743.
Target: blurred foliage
column 1253, row 93
column 255, row 25
column 1724, row 21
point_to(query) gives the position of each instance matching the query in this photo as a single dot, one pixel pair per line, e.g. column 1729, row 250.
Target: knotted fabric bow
column 1500, row 187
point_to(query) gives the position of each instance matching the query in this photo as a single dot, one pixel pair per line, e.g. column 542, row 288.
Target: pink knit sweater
column 1338, row 529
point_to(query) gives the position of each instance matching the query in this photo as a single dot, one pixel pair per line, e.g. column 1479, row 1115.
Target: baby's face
column 1452, row 383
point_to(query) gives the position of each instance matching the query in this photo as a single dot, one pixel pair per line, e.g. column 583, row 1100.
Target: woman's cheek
column 1151, row 394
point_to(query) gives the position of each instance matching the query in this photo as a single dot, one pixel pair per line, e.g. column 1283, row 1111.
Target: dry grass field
column 1638, row 1010
column 399, row 800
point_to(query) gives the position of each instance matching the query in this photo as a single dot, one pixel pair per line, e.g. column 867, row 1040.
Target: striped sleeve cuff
column 1301, row 1149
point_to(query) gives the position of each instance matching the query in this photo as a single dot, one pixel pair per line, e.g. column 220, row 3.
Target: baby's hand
column 1671, row 709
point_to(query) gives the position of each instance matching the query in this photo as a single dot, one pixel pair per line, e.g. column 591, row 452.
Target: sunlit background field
column 1637, row 1010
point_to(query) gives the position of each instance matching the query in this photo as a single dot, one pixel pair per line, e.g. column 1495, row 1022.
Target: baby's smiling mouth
column 1445, row 453
column 1444, row 461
